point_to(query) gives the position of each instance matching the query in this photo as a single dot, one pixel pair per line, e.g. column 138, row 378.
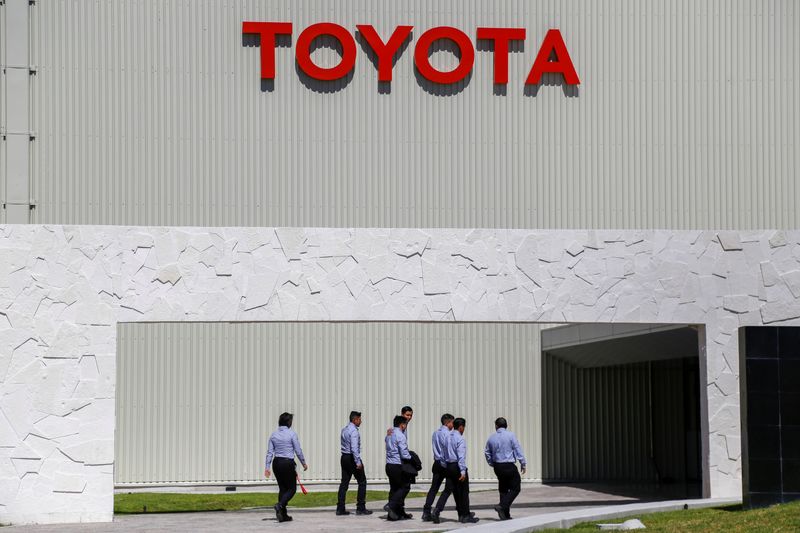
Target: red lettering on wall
column 267, row 31
column 303, row 51
column 553, row 42
column 552, row 56
column 464, row 45
column 385, row 51
column 501, row 38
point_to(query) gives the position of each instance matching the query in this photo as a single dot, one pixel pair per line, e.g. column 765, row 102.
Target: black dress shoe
column 287, row 518
column 501, row 512
column 468, row 519
column 426, row 516
column 363, row 511
column 342, row 512
column 279, row 512
column 406, row 516
column 393, row 517
column 435, row 517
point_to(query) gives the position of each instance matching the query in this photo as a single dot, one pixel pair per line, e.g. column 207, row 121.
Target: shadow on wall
column 253, row 40
column 514, row 47
column 384, row 87
column 439, row 89
column 550, row 79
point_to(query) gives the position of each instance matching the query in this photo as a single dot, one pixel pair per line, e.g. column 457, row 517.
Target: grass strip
column 784, row 518
column 165, row 502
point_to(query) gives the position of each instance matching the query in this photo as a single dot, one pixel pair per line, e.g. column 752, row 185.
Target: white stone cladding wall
column 63, row 289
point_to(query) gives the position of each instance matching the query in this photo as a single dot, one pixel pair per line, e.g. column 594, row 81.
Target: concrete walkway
column 534, row 500
column 612, row 513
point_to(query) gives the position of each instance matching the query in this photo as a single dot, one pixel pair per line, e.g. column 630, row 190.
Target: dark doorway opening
column 621, row 408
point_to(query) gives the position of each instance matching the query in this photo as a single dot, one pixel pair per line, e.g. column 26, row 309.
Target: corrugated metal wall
column 602, row 424
column 3, row 99
column 3, row 119
column 151, row 112
column 594, row 422
column 196, row 402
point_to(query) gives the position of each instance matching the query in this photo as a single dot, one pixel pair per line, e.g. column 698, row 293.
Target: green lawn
column 162, row 502
column 776, row 519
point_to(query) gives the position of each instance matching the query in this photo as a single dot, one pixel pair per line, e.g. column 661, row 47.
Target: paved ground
column 535, row 499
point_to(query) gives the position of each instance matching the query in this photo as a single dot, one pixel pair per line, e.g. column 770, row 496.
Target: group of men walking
column 450, row 466
column 502, row 451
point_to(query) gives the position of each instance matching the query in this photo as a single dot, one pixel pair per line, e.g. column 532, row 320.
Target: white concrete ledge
column 566, row 519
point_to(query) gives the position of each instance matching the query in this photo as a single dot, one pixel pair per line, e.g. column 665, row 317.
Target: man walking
column 396, row 452
column 502, row 452
column 408, row 413
column 438, row 442
column 455, row 458
column 352, row 466
column 283, row 446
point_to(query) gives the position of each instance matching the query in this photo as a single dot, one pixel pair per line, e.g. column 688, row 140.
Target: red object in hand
column 302, row 488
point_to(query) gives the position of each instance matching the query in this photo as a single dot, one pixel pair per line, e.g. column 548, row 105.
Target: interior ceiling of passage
column 654, row 345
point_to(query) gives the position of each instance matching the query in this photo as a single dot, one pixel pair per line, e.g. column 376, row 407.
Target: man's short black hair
column 285, row 419
column 501, row 423
column 405, row 409
column 447, row 417
column 399, row 419
column 459, row 423
column 354, row 415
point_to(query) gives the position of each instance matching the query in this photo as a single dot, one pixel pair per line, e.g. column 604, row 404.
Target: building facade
column 158, row 114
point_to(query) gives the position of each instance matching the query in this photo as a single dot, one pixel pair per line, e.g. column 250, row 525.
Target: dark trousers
column 439, row 474
column 460, row 489
column 349, row 470
column 399, row 487
column 286, row 476
column 508, row 483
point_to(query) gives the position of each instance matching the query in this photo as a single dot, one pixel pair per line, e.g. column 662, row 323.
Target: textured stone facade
column 63, row 289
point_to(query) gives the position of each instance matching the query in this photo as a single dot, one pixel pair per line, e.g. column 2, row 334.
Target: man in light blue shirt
column 408, row 413
column 399, row 485
column 352, row 466
column 454, row 456
column 439, row 470
column 283, row 446
column 502, row 451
